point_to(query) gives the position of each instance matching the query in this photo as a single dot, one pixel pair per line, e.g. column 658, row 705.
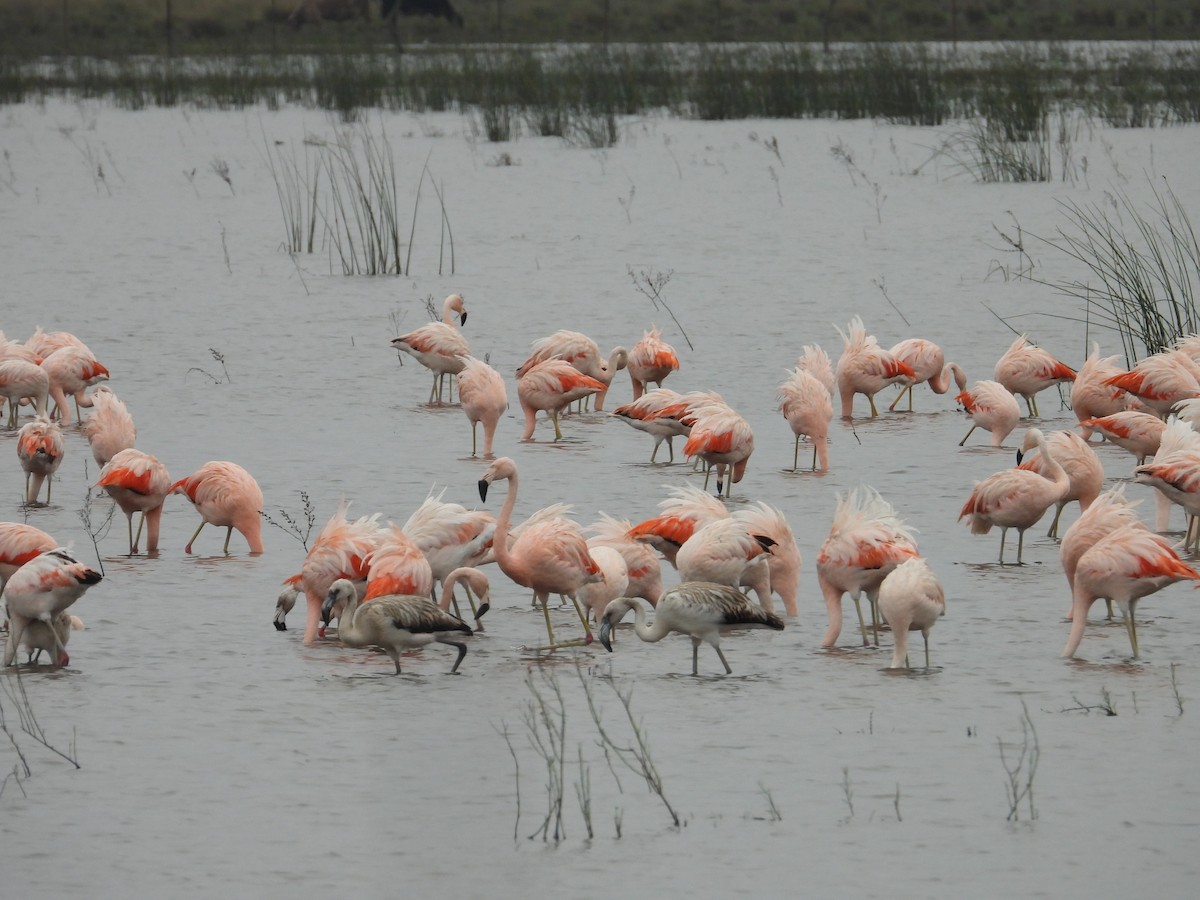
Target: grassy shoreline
column 544, row 89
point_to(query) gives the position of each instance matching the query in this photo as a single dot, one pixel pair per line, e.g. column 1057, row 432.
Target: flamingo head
column 339, row 594
column 500, row 469
column 613, row 613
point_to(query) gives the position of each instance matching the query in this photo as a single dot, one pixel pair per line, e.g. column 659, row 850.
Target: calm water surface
column 221, row 757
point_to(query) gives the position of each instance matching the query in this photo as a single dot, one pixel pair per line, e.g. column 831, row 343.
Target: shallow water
column 218, row 755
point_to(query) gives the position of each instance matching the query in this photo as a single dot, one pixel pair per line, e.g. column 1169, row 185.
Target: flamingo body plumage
column 225, row 495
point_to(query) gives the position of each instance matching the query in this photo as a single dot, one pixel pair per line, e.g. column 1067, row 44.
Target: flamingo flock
column 733, row 558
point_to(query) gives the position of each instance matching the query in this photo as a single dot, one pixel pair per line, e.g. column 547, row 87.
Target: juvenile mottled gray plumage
column 698, row 609
column 394, row 622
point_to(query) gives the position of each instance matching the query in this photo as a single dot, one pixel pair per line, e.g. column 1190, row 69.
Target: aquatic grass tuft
column 1020, row 771
column 1144, row 265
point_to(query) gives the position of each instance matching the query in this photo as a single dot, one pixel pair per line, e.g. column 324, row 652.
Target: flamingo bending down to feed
column 393, row 622
column 724, row 440
column 439, row 346
column 1091, row 396
column 340, row 551
column 866, row 541
column 138, row 483
column 1025, row 369
column 865, row 368
column 642, row 567
column 646, row 414
column 928, row 363
column 1110, row 512
column 1175, row 473
column 110, row 428
column 71, row 371
column 698, row 609
column 552, row 386
column 1134, row 430
column 40, row 450
column 911, row 599
column 582, row 353
column 19, row 379
column 39, row 591
column 1161, row 381
column 1016, row 498
column 225, row 495
column 484, row 399
column 476, row 584
column 651, row 360
column 808, row 407
column 991, row 407
column 450, row 535
column 1083, row 467
column 1126, row 565
column 724, row 551
column 550, row 557
column 613, row 583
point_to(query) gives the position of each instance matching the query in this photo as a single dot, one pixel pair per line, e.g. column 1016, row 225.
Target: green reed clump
column 1144, row 263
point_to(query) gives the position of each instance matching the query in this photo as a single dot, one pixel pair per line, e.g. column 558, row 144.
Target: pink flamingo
column 928, row 363
column 1175, row 473
column 646, row 414
column 39, row 591
column 225, row 495
column 911, row 599
column 1084, row 471
column 476, row 584
column 397, row 566
column 340, row 551
column 552, row 386
column 991, row 407
column 865, row 368
column 71, row 371
column 866, row 541
column 723, row 439
column 550, row 558
column 1160, row 381
column 1026, row 369
column 439, row 346
column 110, row 428
column 44, row 343
column 1109, row 512
column 1091, row 398
column 40, row 450
column 808, row 407
column 17, row 350
column 1016, row 498
column 450, row 536
column 393, row 622
column 138, row 482
column 651, row 360
column 614, row 580
column 641, row 564
column 683, row 513
column 1138, row 432
column 582, row 353
column 698, row 609
column 19, row 543
column 1124, row 566
column 484, row 399
column 725, row 552
column 20, row 379
column 784, row 560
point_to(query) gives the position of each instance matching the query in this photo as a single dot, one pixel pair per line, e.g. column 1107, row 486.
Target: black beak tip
column 483, row 489
column 482, row 611
column 1020, row 456
column 281, row 626
column 462, row 320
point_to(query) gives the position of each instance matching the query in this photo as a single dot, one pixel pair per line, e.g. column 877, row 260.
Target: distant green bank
column 187, row 27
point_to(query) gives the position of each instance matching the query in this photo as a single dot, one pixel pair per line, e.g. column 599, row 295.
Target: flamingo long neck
column 508, row 564
column 940, row 383
column 652, row 632
column 448, row 315
column 1051, row 469
column 347, row 632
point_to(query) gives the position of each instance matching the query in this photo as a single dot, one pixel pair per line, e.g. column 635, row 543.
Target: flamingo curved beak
column 605, row 634
column 462, row 320
column 483, row 489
